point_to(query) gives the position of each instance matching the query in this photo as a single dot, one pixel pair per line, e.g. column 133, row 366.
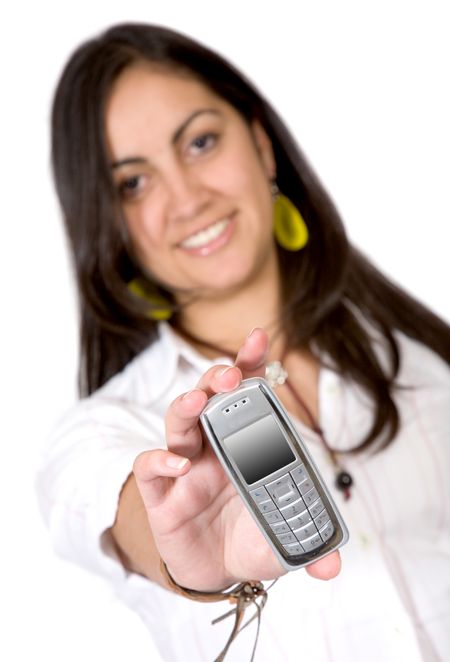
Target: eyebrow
column 175, row 138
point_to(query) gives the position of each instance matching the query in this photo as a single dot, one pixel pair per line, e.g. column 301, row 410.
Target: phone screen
column 259, row 449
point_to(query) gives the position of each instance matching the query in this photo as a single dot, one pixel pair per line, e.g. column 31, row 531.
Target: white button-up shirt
column 392, row 599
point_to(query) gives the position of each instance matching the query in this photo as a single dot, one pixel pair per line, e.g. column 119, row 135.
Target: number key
column 293, row 509
column 273, row 517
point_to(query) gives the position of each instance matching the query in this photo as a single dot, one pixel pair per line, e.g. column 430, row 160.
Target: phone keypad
column 299, row 520
column 316, row 508
column 260, row 494
column 280, row 527
column 299, row 474
column 327, row 531
column 311, row 496
column 294, row 548
column 286, row 538
column 266, row 506
column 312, row 543
column 306, row 531
column 273, row 517
column 321, row 519
column 296, row 514
column 283, row 491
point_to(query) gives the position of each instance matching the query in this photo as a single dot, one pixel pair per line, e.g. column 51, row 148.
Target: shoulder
column 146, row 376
column 135, row 400
column 121, row 407
column 420, row 366
column 421, row 393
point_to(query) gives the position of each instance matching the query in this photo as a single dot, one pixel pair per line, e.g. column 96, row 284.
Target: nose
column 187, row 196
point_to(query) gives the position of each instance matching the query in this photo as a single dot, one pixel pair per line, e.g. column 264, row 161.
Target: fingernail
column 254, row 329
column 223, row 371
column 174, row 462
column 186, row 395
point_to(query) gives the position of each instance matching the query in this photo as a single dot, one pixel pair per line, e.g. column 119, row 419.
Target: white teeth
column 205, row 236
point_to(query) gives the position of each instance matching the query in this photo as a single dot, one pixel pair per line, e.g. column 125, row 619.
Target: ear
column 264, row 147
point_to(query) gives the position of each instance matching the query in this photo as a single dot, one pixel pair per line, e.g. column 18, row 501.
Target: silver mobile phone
column 271, row 469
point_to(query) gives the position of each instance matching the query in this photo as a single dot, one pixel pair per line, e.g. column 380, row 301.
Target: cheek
column 255, row 189
column 243, row 178
column 143, row 225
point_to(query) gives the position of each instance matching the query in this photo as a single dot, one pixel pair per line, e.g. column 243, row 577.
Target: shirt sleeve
column 81, row 473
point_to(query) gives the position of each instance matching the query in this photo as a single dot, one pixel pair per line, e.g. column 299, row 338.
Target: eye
column 203, row 143
column 131, row 186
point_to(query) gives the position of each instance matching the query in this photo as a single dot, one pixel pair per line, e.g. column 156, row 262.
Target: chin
column 234, row 282
column 219, row 275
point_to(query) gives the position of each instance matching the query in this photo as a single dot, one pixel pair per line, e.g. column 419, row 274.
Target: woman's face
column 194, row 180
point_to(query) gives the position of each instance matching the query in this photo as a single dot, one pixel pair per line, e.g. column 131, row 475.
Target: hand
column 200, row 525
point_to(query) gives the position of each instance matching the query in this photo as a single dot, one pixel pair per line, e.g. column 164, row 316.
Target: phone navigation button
column 283, row 491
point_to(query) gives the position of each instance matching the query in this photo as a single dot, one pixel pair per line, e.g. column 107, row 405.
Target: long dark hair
column 332, row 294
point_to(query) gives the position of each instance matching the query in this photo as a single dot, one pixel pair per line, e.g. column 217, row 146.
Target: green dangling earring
column 159, row 309
column 289, row 226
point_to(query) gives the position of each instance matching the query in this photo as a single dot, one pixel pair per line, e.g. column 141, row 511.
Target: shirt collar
column 171, row 351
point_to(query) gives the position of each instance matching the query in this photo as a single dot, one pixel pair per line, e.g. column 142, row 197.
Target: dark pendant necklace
column 276, row 375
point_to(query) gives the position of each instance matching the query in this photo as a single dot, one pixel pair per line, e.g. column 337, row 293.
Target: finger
column 325, row 568
column 182, row 431
column 183, row 434
column 220, row 379
column 251, row 357
column 154, row 472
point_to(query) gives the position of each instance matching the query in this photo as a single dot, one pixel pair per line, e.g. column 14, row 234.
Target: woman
column 206, row 248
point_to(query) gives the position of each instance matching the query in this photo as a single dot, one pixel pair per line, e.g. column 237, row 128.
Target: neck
column 224, row 319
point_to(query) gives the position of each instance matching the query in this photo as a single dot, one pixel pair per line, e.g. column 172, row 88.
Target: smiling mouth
column 205, row 237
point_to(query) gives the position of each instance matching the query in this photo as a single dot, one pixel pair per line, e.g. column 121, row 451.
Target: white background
column 365, row 88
